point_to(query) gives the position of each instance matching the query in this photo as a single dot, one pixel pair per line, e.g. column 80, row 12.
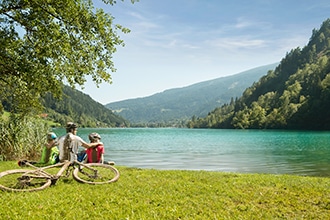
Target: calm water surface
column 244, row 151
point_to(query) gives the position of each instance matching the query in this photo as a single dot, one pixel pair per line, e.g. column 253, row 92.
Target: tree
column 44, row 43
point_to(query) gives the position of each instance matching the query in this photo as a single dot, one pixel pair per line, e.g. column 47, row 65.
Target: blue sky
column 176, row 43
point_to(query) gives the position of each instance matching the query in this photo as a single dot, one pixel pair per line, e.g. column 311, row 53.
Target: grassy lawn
column 155, row 194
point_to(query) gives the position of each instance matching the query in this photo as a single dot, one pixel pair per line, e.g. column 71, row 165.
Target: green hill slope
column 80, row 108
column 294, row 96
column 182, row 103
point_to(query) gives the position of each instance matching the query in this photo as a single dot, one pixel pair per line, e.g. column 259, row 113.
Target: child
column 50, row 152
column 96, row 154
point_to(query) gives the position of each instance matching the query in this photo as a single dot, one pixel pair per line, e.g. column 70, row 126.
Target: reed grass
column 22, row 137
column 167, row 194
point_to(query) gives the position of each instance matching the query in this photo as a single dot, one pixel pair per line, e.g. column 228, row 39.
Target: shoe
column 111, row 163
column 22, row 163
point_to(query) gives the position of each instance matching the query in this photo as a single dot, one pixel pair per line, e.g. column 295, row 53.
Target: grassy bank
column 154, row 194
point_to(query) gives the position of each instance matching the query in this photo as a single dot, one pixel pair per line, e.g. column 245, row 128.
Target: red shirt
column 94, row 154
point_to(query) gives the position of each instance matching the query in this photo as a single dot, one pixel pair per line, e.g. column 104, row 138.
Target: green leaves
column 45, row 43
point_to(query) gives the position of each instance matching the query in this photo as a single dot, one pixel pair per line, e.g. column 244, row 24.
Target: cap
column 51, row 135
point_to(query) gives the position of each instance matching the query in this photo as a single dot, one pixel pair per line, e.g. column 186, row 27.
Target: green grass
column 5, row 115
column 155, row 194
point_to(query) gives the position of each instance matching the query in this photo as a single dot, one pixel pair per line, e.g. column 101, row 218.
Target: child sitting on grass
column 96, row 154
column 49, row 154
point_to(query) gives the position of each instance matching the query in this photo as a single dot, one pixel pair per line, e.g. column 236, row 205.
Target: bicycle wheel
column 23, row 180
column 104, row 173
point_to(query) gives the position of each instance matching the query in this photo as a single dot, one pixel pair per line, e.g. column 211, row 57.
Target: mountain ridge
column 296, row 95
column 193, row 100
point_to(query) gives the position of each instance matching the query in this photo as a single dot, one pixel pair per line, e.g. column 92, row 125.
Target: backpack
column 49, row 156
column 54, row 156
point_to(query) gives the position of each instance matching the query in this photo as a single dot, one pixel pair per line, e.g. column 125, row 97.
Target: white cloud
column 236, row 43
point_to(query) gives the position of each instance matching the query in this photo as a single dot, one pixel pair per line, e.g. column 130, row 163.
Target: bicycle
column 28, row 180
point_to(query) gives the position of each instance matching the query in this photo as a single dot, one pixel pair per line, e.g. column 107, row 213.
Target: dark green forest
column 80, row 108
column 77, row 107
column 296, row 95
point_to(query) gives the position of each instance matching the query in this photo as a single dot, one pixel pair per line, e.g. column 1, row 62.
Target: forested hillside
column 80, row 108
column 296, row 95
column 175, row 105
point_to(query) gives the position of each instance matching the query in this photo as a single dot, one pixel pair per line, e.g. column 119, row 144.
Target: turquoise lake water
column 243, row 151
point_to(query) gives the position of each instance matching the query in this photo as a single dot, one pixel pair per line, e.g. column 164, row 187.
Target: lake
column 243, row 151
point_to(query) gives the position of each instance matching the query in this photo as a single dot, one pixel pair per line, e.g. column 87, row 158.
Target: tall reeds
column 22, row 137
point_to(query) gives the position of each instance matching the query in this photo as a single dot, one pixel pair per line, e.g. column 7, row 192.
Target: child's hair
column 51, row 136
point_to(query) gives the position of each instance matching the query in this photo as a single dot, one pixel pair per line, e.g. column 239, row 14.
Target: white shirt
column 76, row 141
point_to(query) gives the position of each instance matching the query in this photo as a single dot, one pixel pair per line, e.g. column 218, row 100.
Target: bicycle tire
column 9, row 181
column 106, row 174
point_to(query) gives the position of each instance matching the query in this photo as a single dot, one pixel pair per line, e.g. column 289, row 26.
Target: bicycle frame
column 39, row 172
column 64, row 166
